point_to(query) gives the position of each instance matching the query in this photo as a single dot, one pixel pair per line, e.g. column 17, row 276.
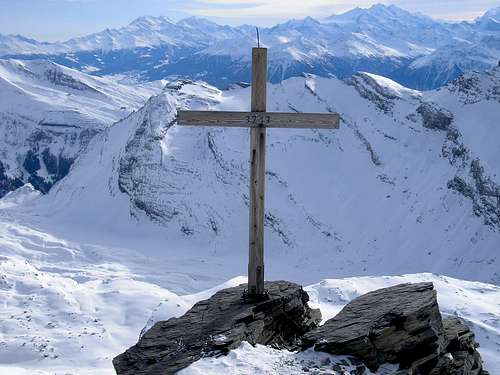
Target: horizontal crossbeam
column 259, row 119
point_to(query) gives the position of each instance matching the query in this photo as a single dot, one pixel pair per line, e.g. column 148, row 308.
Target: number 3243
column 259, row 119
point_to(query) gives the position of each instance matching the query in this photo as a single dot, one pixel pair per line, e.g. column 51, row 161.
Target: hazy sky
column 62, row 19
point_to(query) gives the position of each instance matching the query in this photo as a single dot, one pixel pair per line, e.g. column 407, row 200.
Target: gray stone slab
column 393, row 325
column 220, row 324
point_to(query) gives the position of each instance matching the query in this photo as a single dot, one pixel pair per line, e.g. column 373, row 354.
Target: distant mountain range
column 412, row 49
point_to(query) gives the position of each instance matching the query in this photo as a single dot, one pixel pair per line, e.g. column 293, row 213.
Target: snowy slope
column 386, row 40
column 48, row 113
column 449, row 62
column 153, row 216
column 410, row 177
column 20, row 45
column 476, row 46
column 69, row 308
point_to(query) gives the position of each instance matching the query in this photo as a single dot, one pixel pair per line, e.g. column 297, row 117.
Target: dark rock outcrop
column 8, row 183
column 482, row 190
column 434, row 117
column 461, row 354
column 400, row 325
column 370, row 89
column 394, row 325
column 220, row 324
column 42, row 157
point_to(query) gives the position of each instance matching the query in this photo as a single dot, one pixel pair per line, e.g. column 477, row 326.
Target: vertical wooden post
column 257, row 175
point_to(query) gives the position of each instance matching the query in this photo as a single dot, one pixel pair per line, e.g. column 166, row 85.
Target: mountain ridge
column 428, row 170
column 49, row 113
column 384, row 40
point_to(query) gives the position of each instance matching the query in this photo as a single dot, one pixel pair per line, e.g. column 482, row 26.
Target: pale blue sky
column 62, row 19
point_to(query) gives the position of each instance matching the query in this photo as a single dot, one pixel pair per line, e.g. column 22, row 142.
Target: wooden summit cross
column 258, row 120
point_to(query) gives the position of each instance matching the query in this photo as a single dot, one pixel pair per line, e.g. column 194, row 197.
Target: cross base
column 251, row 298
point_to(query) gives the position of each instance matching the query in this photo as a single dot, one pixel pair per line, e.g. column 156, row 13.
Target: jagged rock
column 472, row 87
column 483, row 191
column 394, row 325
column 219, row 325
column 8, row 183
column 461, row 356
column 370, row 89
column 434, row 117
column 58, row 77
column 400, row 325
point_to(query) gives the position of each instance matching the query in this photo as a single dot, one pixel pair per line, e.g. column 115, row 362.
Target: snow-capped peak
column 197, row 22
column 493, row 13
column 150, row 22
column 382, row 39
column 379, row 12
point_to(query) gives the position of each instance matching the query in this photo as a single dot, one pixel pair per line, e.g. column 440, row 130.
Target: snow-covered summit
column 382, row 39
column 151, row 22
column 492, row 14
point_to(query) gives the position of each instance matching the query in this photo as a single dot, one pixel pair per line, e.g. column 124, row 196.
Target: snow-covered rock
column 22, row 196
column 456, row 298
column 219, row 325
column 49, row 113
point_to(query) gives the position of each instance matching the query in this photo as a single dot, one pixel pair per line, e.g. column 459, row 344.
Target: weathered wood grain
column 257, row 174
column 259, row 119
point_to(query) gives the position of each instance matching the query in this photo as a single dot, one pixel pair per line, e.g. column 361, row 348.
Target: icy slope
column 48, row 113
column 18, row 44
column 406, row 185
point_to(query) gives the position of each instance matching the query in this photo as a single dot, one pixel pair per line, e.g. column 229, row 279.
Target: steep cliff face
column 474, row 99
column 48, row 115
column 410, row 176
column 40, row 153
